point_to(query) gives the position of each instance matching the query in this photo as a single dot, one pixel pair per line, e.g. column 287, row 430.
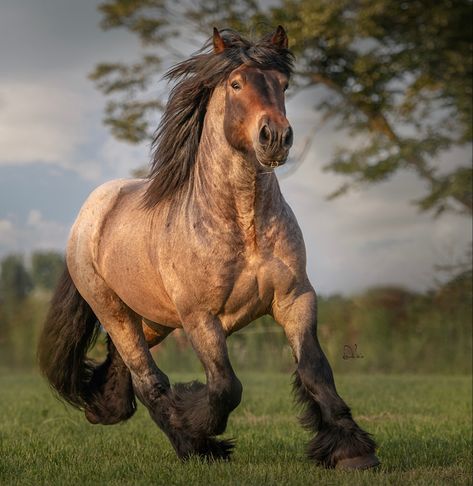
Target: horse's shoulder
column 286, row 253
column 288, row 227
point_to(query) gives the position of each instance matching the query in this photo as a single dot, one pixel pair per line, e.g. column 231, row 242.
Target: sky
column 54, row 150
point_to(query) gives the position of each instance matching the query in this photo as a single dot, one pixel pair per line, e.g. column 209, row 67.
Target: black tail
column 105, row 390
column 71, row 328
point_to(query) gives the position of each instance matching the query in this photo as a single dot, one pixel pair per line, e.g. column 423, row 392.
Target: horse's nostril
column 288, row 137
column 264, row 135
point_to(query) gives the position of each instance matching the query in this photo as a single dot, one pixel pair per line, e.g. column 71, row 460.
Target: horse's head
column 255, row 115
column 252, row 78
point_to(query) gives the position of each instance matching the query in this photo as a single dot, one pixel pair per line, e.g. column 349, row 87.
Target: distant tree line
column 24, row 291
column 17, row 279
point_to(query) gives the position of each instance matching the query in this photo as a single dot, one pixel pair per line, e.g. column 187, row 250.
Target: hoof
column 219, row 450
column 91, row 417
column 362, row 462
column 107, row 417
column 210, row 449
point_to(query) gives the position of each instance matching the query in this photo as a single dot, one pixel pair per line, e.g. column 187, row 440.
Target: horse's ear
column 218, row 42
column 279, row 38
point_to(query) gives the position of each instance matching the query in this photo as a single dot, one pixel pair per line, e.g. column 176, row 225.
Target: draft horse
column 206, row 243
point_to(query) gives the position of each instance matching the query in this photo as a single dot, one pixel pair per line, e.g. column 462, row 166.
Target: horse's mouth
column 272, row 164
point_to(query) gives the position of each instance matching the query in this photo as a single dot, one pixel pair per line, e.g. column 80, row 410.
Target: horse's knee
column 151, row 387
column 227, row 391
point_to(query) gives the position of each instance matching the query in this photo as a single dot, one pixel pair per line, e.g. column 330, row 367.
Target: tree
column 46, row 268
column 15, row 281
column 396, row 74
column 15, row 286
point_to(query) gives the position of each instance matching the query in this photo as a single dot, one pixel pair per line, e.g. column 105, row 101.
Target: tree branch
column 378, row 123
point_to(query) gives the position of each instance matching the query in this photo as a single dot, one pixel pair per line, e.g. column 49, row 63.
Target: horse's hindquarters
column 110, row 246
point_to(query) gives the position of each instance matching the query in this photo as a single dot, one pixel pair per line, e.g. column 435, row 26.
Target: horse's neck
column 227, row 183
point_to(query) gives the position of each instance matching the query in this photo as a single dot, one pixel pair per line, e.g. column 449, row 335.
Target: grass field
column 422, row 424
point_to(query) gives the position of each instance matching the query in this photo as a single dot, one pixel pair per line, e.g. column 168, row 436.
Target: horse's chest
column 231, row 280
column 240, row 292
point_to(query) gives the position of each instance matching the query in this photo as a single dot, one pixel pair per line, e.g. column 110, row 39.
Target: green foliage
column 128, row 118
column 146, row 18
column 46, row 268
column 21, row 311
column 421, row 423
column 15, row 281
column 397, row 330
column 397, row 74
column 20, row 325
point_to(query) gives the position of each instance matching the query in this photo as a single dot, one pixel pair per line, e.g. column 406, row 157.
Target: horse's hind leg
column 125, row 330
column 112, row 398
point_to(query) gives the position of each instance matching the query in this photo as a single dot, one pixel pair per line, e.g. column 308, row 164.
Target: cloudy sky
column 54, row 150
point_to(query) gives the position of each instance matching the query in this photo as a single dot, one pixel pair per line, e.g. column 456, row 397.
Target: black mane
column 177, row 138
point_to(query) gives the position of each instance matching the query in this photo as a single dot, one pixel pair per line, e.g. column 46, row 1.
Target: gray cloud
column 56, row 38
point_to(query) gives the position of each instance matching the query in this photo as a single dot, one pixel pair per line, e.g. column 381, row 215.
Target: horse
column 205, row 243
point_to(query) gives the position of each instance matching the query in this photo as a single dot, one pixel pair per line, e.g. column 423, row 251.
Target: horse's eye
column 285, row 87
column 236, row 85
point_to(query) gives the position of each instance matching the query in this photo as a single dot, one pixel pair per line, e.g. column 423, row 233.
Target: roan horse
column 206, row 243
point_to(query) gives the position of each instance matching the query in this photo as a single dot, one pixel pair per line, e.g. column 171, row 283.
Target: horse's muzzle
column 273, row 136
column 273, row 143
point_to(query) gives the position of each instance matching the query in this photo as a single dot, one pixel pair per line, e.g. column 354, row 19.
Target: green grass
column 422, row 425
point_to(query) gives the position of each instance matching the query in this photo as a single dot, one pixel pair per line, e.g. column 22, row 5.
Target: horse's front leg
column 339, row 441
column 201, row 411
